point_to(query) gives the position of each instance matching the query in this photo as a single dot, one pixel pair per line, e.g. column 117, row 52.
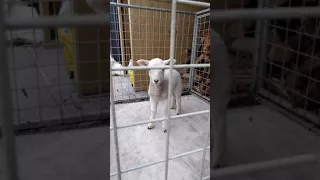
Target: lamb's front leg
column 154, row 105
column 164, row 123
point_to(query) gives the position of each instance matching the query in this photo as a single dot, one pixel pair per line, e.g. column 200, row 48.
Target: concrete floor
column 41, row 80
column 139, row 146
column 123, row 90
column 255, row 134
column 42, row 91
column 70, row 155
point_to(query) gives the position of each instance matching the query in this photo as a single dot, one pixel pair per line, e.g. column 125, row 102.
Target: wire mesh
column 49, row 68
column 240, row 38
column 145, row 34
column 38, row 106
column 200, row 77
column 290, row 74
column 149, row 37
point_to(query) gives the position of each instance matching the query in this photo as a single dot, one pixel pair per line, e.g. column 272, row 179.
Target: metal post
column 317, row 173
column 193, row 51
column 258, row 51
column 262, row 52
column 172, row 51
column 115, row 128
column 205, row 147
column 6, row 118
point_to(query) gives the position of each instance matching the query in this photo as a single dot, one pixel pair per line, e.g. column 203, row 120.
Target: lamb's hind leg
column 173, row 102
column 177, row 94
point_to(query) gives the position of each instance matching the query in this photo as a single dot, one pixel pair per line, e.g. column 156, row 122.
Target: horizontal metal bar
column 145, row 98
column 206, row 178
column 148, row 8
column 161, row 161
column 252, row 167
column 164, row 118
column 96, row 20
column 188, row 153
column 67, row 21
column 160, row 67
column 33, row 1
column 203, row 11
column 195, row 3
column 264, row 13
column 203, row 15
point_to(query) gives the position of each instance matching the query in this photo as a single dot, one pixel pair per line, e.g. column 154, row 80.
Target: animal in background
column 115, row 64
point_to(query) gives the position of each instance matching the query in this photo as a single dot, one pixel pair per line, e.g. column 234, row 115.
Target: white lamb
column 158, row 87
column 115, row 64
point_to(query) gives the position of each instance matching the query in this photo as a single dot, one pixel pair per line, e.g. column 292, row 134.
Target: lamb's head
column 156, row 75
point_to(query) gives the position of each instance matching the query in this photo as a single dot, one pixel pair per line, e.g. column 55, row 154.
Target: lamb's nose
column 156, row 81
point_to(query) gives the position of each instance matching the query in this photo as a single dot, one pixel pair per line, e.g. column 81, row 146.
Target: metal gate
column 183, row 29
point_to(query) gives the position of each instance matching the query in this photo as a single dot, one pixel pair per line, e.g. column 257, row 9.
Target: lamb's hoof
column 150, row 126
column 178, row 112
column 165, row 131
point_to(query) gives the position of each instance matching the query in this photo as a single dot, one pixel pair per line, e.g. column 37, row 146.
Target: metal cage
column 262, row 66
column 188, row 29
column 150, row 39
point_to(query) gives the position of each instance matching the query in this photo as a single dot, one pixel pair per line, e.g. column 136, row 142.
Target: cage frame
column 9, row 159
column 198, row 14
column 168, row 117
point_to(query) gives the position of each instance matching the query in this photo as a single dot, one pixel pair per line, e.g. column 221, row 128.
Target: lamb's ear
column 167, row 62
column 143, row 62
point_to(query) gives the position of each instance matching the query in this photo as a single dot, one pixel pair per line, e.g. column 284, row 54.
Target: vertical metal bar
column 258, row 37
column 114, row 125
column 6, row 118
column 205, row 147
column 262, row 54
column 172, row 51
column 193, row 51
column 317, row 173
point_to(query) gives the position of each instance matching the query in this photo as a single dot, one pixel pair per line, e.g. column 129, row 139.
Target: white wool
column 158, row 87
column 115, row 64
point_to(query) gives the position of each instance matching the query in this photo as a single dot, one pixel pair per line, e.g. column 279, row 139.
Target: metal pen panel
column 7, row 139
column 172, row 51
